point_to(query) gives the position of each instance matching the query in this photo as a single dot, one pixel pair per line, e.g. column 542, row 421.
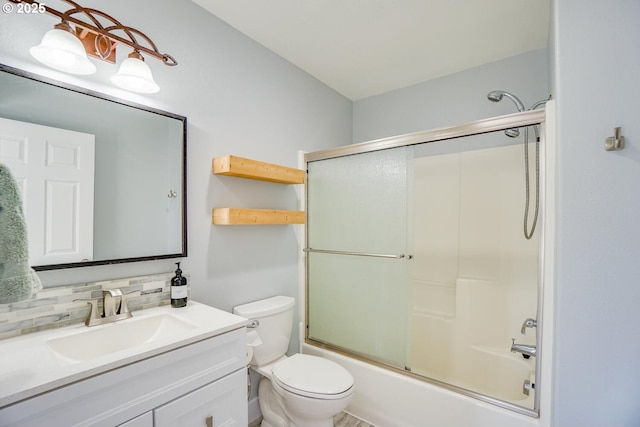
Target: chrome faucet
column 526, row 349
column 114, row 308
column 111, row 301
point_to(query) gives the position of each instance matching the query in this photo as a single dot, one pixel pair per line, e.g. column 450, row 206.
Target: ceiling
column 362, row 48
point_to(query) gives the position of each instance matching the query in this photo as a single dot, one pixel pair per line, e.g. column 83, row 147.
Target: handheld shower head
column 512, row 133
column 497, row 95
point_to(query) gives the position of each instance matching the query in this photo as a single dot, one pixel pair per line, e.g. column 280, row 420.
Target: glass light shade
column 63, row 51
column 134, row 75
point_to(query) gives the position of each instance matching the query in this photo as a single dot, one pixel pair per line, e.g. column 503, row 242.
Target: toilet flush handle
column 254, row 324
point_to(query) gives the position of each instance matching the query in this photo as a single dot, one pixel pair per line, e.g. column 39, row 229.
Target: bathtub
column 386, row 398
column 494, row 372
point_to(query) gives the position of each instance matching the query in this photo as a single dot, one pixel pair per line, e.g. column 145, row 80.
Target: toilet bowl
column 297, row 391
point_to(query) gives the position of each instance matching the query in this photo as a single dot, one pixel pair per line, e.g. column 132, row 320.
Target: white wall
column 239, row 99
column 474, row 275
column 596, row 72
column 453, row 99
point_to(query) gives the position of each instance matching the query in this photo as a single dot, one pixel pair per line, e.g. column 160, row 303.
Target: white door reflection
column 54, row 169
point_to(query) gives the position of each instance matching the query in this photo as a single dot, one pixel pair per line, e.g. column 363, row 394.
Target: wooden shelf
column 253, row 169
column 238, row 216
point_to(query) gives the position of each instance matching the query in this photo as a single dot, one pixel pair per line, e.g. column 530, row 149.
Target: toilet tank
column 275, row 317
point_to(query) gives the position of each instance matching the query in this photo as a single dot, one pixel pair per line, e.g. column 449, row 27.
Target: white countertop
column 28, row 365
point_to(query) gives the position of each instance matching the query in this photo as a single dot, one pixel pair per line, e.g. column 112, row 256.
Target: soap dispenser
column 178, row 289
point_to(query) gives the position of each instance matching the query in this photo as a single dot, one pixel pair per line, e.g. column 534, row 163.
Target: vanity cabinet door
column 221, row 403
column 144, row 420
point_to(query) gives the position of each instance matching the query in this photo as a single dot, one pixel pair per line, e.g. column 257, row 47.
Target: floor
column 341, row 420
column 347, row 420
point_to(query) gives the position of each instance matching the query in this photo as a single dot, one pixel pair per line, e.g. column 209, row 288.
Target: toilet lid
column 312, row 376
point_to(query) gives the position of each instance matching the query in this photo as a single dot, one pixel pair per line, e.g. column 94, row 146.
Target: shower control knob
column 529, row 323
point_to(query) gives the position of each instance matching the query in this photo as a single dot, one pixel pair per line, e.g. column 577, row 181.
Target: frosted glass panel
column 359, row 204
column 359, row 304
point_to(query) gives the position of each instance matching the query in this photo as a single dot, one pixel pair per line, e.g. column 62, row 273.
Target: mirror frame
column 65, row 86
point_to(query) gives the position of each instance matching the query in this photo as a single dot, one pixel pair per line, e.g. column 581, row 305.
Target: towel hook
column 615, row 142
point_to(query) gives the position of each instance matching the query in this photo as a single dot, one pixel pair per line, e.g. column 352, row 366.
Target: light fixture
column 97, row 34
column 62, row 50
column 135, row 75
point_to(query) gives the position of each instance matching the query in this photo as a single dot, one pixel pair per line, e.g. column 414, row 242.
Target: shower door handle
column 323, row 251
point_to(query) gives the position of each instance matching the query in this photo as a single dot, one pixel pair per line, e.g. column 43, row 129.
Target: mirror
column 131, row 207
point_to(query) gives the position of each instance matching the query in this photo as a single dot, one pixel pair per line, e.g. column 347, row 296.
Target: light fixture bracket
column 96, row 45
column 100, row 32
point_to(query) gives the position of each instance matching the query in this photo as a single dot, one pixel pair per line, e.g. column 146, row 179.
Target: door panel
column 54, row 169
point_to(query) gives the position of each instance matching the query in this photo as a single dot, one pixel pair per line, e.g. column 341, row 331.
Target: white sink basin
column 126, row 334
column 35, row 363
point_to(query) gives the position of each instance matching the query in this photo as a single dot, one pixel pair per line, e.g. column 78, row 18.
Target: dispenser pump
column 178, row 289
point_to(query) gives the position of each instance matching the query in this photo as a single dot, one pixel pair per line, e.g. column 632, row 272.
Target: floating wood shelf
column 253, row 169
column 238, row 216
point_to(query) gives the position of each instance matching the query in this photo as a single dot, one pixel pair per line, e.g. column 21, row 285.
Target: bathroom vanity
column 183, row 367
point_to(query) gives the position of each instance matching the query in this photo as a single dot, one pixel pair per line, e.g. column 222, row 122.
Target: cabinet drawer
column 222, row 402
column 144, row 420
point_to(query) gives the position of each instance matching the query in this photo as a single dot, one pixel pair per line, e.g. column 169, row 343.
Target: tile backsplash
column 55, row 307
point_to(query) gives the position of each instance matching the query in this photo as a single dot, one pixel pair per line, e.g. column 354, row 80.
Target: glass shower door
column 357, row 274
column 452, row 202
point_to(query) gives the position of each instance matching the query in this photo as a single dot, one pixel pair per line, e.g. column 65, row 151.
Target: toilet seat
column 312, row 377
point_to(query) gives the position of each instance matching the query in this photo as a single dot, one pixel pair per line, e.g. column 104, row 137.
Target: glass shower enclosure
column 416, row 258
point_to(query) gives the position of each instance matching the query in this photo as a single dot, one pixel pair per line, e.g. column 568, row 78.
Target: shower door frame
column 478, row 127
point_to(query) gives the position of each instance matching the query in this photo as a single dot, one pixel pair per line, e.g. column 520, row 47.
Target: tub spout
column 526, row 349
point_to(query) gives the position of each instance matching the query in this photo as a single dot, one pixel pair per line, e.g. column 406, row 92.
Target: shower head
column 512, row 133
column 497, row 95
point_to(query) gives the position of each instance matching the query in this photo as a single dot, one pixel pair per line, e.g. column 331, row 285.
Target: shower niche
column 425, row 268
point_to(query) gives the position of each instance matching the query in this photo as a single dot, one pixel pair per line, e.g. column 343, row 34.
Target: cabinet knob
column 209, row 421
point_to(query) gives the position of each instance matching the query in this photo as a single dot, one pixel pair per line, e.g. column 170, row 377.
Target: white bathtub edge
column 385, row 398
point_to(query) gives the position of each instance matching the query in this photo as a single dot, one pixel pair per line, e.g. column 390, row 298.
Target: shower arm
column 516, row 100
column 538, row 104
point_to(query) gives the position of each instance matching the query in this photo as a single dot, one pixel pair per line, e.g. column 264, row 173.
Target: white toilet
column 296, row 391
